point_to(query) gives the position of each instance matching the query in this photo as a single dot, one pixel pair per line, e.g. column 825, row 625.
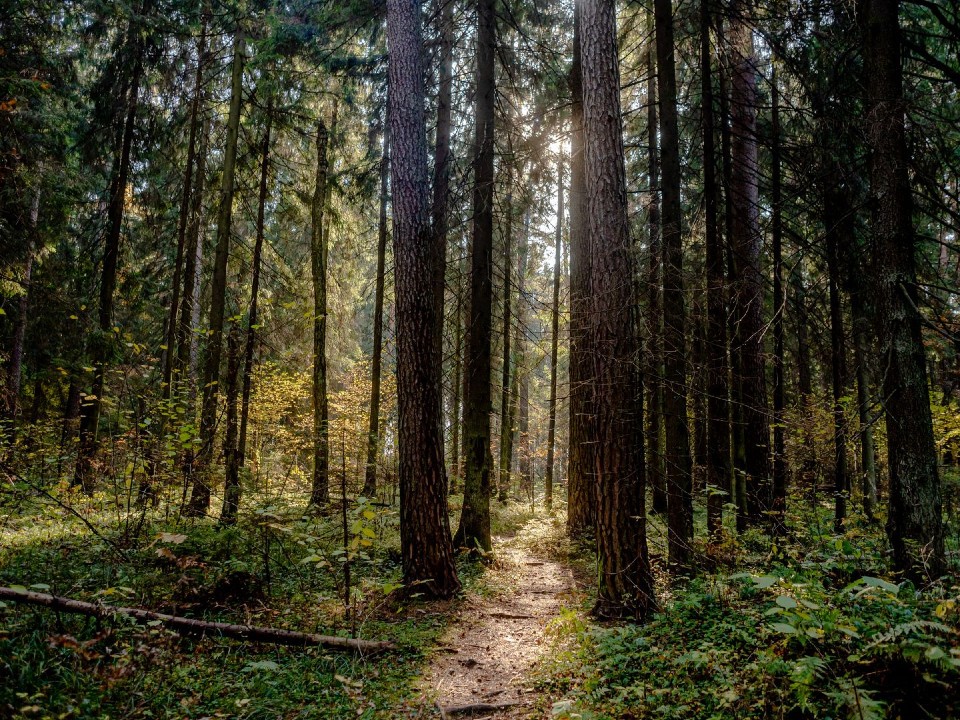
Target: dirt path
column 494, row 643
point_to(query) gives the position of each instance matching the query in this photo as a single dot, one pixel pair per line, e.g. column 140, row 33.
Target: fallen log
column 250, row 633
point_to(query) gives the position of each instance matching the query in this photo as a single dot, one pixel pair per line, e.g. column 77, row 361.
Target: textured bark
column 320, row 490
column 93, row 402
column 779, row 491
column 746, row 245
column 507, row 391
column 554, row 345
column 200, row 495
column 718, row 426
column 474, row 529
column 914, row 524
column 373, row 428
column 443, row 159
column 626, row 584
column 581, row 498
column 677, row 435
column 838, row 223
column 862, row 352
column 253, row 311
column 656, row 471
column 426, row 550
column 231, row 485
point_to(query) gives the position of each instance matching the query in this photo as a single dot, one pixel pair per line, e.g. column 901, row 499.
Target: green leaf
column 261, row 665
column 785, row 628
column 785, row 601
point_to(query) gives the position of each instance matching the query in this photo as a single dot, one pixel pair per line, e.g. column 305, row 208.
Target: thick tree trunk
column 425, row 546
column 581, row 478
column 93, row 403
column 626, row 583
column 656, row 471
column 554, row 344
column 376, row 363
column 474, row 529
column 914, row 524
column 320, row 491
column 200, row 495
column 677, row 446
column 718, row 424
column 443, row 159
column 746, row 245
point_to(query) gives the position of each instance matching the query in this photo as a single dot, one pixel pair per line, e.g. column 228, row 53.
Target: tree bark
column 373, row 429
column 656, row 470
column 474, row 529
column 581, row 478
column 626, row 583
column 718, row 425
column 507, row 417
column 231, row 485
column 554, row 344
column 320, row 491
column 914, row 524
column 779, row 498
column 746, row 245
column 200, row 495
column 426, row 550
column 677, row 446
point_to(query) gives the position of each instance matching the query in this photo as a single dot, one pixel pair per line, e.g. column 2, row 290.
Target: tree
column 426, row 550
column 320, row 490
column 914, row 524
column 626, row 583
column 200, row 495
column 677, row 453
column 581, row 498
column 474, row 529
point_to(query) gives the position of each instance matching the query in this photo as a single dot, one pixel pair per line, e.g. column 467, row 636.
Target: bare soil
column 494, row 643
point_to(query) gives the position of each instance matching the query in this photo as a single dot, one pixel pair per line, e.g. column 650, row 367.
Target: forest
column 558, row 359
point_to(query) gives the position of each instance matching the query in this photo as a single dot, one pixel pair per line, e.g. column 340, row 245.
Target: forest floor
column 493, row 644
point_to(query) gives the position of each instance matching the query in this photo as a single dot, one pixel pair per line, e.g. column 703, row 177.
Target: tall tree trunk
column 718, row 425
column 93, row 403
column 425, row 546
column 746, row 244
column 677, row 448
column 779, row 499
column 914, row 524
column 738, row 487
column 626, row 583
column 838, row 223
column 506, row 406
column 231, row 486
column 320, row 491
column 474, row 529
column 656, row 471
column 862, row 351
column 200, row 495
column 253, row 313
column 373, row 429
column 581, row 496
column 456, row 416
column 554, row 343
column 443, row 159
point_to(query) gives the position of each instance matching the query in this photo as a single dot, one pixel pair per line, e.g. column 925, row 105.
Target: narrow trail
column 494, row 643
